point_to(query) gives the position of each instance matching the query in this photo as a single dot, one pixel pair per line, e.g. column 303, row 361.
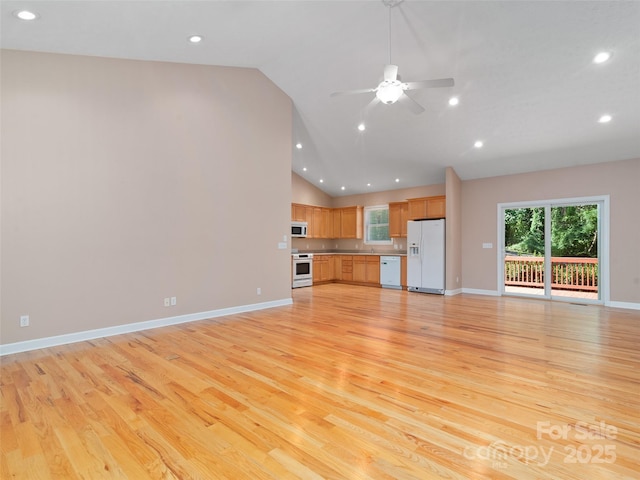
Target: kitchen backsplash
column 348, row 245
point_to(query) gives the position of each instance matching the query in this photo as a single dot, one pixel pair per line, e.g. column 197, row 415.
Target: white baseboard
column 495, row 293
column 628, row 305
column 457, row 291
column 475, row 291
column 46, row 342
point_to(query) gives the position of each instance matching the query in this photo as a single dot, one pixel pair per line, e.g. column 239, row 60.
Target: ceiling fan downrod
column 390, row 4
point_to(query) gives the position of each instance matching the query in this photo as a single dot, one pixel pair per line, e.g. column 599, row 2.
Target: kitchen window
column 376, row 225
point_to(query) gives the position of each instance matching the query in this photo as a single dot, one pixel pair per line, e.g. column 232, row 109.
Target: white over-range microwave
column 299, row 229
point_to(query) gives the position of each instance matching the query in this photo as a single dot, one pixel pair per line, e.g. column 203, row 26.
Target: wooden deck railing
column 567, row 273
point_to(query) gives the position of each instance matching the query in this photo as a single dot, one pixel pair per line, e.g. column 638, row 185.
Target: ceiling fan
column 392, row 89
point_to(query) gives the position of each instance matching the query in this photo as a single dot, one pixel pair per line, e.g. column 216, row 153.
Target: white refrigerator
column 425, row 256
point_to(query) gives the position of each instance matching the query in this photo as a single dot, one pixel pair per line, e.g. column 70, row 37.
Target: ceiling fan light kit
column 390, row 90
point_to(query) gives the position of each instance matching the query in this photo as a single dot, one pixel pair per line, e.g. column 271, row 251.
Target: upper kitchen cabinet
column 398, row 216
column 323, row 222
column 298, row 212
column 351, row 222
column 427, row 207
column 327, row 223
column 336, row 218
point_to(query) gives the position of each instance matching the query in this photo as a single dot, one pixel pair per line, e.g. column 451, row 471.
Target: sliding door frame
column 603, row 244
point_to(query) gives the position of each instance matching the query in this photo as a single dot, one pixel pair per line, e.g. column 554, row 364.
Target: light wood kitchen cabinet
column 398, row 216
column 324, row 222
column 437, row 207
column 330, row 273
column 403, row 271
column 309, row 220
column 366, row 269
column 373, row 269
column 359, row 268
column 336, row 218
column 346, row 268
column 327, row 223
column 298, row 212
column 318, row 226
column 323, row 268
column 337, row 267
column 351, row 222
column 427, row 207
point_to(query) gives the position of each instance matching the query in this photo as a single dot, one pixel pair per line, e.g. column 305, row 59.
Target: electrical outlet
column 259, row 291
column 24, row 320
column 174, row 301
column 167, row 302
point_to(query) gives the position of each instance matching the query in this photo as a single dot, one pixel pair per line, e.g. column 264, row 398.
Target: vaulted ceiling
column 524, row 76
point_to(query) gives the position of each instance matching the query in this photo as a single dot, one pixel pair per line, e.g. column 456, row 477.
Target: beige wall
column 124, row 182
column 308, row 194
column 620, row 180
column 381, row 198
column 453, row 277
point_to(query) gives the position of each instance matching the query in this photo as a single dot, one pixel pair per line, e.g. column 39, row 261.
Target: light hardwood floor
column 348, row 383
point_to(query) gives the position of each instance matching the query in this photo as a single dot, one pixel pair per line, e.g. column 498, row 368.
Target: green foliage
column 524, row 231
column 574, row 231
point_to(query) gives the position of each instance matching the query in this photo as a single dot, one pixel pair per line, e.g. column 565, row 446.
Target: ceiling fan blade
column 411, row 104
column 390, row 72
column 440, row 82
column 353, row 92
column 369, row 107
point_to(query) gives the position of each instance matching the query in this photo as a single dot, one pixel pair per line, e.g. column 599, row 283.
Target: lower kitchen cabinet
column 366, row 269
column 373, row 269
column 361, row 269
column 323, row 268
column 403, row 271
column 346, row 268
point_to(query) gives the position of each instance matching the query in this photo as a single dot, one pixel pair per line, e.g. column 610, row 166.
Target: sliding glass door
column 575, row 261
column 524, row 250
column 553, row 250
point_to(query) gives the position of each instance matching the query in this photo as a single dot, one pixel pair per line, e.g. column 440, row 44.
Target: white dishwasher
column 390, row 272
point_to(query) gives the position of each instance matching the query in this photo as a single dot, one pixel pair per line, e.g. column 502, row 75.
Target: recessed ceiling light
column 605, row 119
column 453, row 101
column 602, row 57
column 304, row 169
column 25, row 15
column 196, row 38
column 342, row 187
column 478, row 144
column 397, row 180
column 298, row 146
column 321, row 181
column 368, row 184
column 361, row 127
